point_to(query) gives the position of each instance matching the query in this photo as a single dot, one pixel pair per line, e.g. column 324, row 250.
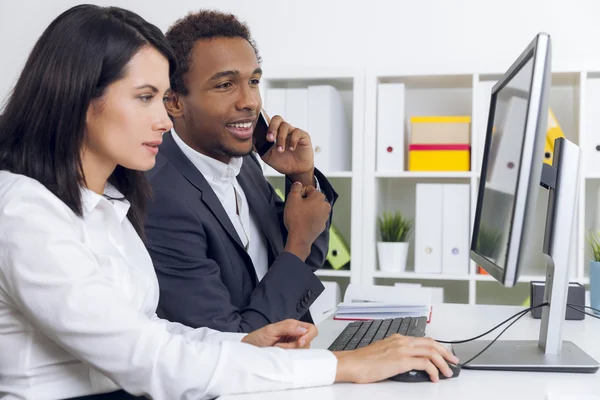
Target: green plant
column 488, row 240
column 594, row 243
column 394, row 227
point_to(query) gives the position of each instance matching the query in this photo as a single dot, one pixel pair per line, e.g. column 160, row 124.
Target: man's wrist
column 298, row 248
column 305, row 178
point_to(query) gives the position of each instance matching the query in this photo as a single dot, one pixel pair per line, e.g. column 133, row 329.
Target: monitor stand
column 550, row 353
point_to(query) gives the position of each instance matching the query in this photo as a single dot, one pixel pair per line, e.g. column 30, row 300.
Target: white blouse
column 77, row 312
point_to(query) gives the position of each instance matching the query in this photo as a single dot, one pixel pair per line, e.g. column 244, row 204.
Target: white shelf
column 333, row 273
column 337, row 174
column 432, row 92
column 425, row 174
column 420, row 276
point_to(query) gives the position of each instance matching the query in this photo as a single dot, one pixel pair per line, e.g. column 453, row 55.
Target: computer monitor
column 503, row 234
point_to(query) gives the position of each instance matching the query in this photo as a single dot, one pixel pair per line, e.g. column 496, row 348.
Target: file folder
column 328, row 128
column 296, row 108
column 455, row 229
column 591, row 150
column 428, row 228
column 390, row 127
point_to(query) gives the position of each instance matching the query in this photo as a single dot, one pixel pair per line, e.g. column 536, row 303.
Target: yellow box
column 440, row 130
column 442, row 157
column 554, row 132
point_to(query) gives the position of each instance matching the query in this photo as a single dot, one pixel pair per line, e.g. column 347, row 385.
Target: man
column 229, row 255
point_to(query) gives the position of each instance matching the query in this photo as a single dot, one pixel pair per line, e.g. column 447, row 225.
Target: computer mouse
column 423, row 376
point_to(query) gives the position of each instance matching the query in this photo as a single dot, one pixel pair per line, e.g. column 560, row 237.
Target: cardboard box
column 440, row 130
column 439, row 157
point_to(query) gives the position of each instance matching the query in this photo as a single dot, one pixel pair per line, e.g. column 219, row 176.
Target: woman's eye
column 146, row 98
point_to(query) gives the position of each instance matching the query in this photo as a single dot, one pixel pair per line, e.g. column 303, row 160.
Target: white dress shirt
column 222, row 178
column 78, row 297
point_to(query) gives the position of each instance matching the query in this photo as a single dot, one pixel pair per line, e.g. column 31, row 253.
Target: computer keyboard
column 362, row 333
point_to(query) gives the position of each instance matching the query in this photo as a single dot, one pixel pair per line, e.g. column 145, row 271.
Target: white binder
column 591, row 150
column 428, row 228
column 390, row 127
column 508, row 141
column 455, row 229
column 275, row 103
column 296, row 108
column 328, row 129
column 482, row 109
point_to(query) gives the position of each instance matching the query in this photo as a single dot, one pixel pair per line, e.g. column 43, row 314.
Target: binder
column 390, row 127
column 328, row 128
column 296, row 108
column 554, row 132
column 275, row 102
column 503, row 171
column 591, row 150
column 455, row 229
column 338, row 254
column 428, row 228
column 482, row 109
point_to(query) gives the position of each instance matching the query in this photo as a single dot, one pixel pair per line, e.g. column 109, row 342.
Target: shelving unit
column 372, row 192
column 348, row 184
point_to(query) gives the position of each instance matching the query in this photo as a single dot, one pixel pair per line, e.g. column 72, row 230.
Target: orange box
column 439, row 157
column 440, row 130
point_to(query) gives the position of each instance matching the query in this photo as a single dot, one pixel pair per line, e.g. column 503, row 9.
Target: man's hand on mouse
column 392, row 356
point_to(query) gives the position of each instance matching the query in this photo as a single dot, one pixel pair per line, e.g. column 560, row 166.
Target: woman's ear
column 173, row 104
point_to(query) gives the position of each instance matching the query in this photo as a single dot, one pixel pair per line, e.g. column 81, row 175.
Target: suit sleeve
column 320, row 247
column 191, row 289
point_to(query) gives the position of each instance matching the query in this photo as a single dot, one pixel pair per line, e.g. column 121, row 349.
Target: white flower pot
column 392, row 256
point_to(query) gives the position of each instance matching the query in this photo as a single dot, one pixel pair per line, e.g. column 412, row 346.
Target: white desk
column 453, row 322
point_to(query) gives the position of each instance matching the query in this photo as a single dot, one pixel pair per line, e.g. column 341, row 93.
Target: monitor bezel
column 530, row 164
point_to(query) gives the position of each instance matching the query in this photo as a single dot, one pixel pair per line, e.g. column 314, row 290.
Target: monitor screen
column 508, row 117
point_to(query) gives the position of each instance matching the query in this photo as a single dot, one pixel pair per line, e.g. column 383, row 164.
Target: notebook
column 383, row 302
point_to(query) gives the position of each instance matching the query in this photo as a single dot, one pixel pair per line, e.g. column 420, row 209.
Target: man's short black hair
column 204, row 24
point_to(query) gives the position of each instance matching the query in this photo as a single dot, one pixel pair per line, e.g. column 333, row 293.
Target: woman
column 78, row 293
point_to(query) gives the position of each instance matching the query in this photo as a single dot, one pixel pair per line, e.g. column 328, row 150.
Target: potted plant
column 488, row 241
column 594, row 243
column 392, row 250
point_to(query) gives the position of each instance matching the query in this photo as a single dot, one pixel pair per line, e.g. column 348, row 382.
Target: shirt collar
column 209, row 167
column 114, row 197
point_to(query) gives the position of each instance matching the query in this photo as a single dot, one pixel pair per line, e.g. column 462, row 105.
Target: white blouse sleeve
column 53, row 279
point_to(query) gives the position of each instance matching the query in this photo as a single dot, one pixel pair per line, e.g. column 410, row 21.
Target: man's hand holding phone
column 285, row 148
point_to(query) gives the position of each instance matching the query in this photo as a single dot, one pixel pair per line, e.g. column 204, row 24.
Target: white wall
column 418, row 35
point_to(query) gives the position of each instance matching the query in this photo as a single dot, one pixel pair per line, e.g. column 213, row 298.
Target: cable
column 519, row 314
column 582, row 311
column 500, row 334
column 588, row 307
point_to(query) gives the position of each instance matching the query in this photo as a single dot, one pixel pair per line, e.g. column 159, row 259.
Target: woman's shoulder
column 20, row 192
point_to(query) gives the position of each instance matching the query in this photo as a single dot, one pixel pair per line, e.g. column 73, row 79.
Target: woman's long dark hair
column 81, row 52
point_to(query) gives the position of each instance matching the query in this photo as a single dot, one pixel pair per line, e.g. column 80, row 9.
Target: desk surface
column 454, row 322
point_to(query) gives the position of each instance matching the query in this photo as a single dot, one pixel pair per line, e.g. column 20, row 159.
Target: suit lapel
column 174, row 154
column 265, row 216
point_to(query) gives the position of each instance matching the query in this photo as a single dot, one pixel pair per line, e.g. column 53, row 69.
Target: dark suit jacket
column 206, row 277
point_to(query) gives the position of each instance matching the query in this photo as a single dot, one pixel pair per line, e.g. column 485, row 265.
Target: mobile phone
column 259, row 136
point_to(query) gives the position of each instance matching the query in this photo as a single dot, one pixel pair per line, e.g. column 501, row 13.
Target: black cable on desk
column 583, row 311
column 500, row 334
column 519, row 314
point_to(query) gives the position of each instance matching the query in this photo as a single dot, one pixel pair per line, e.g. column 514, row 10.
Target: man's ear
column 173, row 104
